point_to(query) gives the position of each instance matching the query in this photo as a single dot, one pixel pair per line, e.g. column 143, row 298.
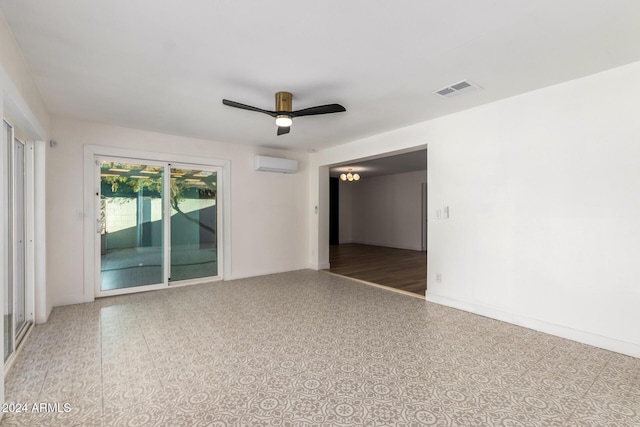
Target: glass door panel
column 19, row 236
column 194, row 219
column 8, row 287
column 15, row 290
column 131, row 225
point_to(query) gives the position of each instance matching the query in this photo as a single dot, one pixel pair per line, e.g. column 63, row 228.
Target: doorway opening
column 380, row 221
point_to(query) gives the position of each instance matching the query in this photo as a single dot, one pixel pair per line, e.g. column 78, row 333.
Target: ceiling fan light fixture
column 284, row 114
column 284, row 121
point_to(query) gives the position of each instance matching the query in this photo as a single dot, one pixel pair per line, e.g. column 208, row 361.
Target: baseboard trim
column 321, row 266
column 584, row 337
column 71, row 300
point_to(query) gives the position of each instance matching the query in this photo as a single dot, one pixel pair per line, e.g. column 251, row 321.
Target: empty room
column 168, row 238
column 378, row 221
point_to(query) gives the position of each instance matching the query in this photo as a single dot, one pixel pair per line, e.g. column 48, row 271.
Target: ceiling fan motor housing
column 283, row 102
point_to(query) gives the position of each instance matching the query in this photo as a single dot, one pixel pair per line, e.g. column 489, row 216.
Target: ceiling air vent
column 456, row 89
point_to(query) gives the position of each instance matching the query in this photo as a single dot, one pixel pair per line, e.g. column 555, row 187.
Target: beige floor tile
column 308, row 349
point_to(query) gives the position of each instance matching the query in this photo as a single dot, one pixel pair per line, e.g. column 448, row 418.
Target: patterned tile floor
column 309, row 349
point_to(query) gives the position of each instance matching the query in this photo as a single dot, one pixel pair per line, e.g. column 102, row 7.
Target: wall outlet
column 438, row 278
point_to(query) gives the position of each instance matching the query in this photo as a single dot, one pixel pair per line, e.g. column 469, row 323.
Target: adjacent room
column 328, row 213
column 378, row 221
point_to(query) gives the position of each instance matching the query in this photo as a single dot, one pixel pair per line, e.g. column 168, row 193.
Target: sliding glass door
column 157, row 223
column 8, row 288
column 193, row 224
column 17, row 316
column 19, row 237
column 131, row 225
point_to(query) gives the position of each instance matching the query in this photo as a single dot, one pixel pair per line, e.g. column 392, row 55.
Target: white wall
column 20, row 102
column 27, row 98
column 544, row 197
column 268, row 217
column 385, row 210
column 544, row 191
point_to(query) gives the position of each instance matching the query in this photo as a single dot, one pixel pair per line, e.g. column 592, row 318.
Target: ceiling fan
column 284, row 114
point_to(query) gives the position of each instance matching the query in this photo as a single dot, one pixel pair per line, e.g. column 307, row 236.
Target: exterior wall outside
column 121, row 221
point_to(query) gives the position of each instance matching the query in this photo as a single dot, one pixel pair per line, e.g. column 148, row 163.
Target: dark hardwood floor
column 397, row 268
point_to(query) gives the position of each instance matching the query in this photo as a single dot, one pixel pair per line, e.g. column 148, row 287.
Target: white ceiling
column 166, row 65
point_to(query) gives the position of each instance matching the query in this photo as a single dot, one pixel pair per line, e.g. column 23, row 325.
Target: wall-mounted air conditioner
column 275, row 164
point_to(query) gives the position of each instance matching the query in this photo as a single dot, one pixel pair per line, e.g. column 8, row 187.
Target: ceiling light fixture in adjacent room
column 349, row 176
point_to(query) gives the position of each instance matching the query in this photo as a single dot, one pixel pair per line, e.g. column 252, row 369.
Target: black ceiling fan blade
column 283, row 130
column 248, row 107
column 321, row 109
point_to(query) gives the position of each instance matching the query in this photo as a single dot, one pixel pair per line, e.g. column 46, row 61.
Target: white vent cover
column 456, row 89
column 275, row 164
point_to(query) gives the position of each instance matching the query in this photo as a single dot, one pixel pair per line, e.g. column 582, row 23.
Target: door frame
column 28, row 236
column 425, row 216
column 91, row 189
column 27, row 217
